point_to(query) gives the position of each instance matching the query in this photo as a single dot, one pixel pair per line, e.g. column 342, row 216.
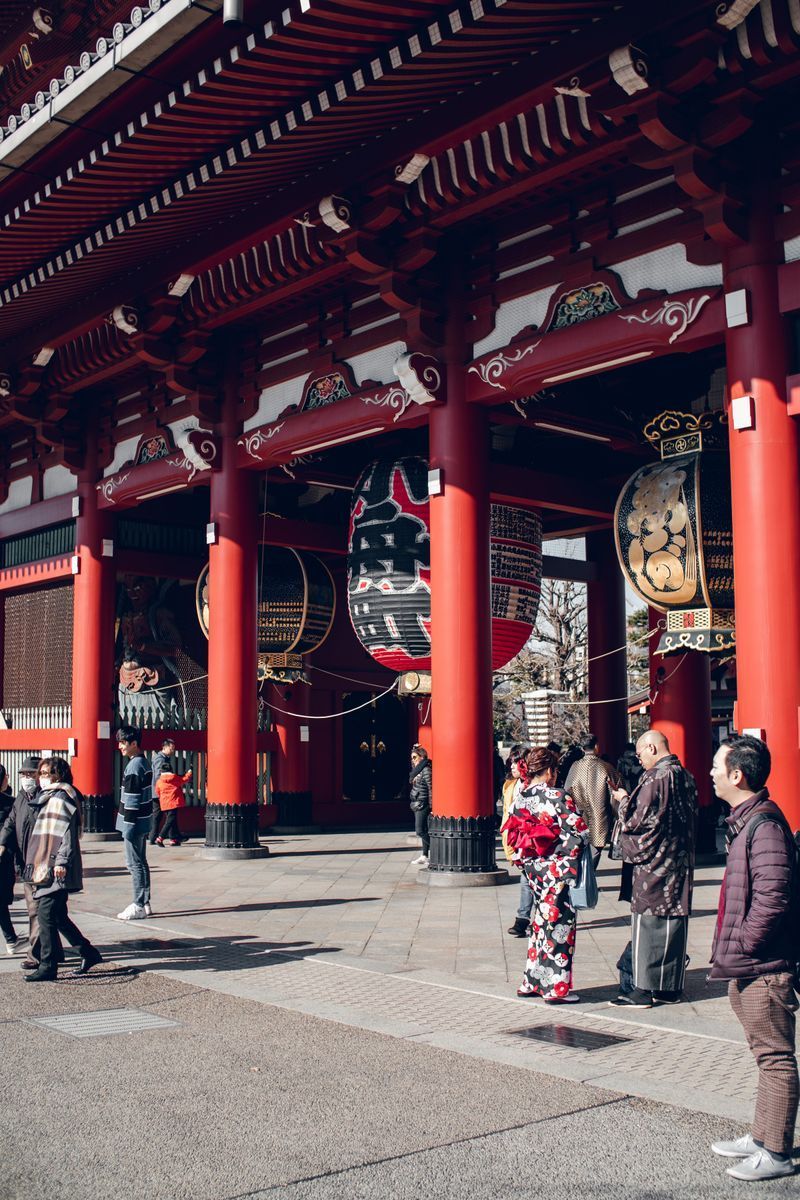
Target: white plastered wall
column 20, row 493
column 58, row 481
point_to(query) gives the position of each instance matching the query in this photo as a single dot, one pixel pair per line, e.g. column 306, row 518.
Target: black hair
column 167, row 742
column 127, row 733
column 589, row 742
column 59, row 769
column 752, row 757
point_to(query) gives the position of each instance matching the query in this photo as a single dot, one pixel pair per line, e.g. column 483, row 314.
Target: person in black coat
column 6, row 869
column 421, row 780
column 15, row 831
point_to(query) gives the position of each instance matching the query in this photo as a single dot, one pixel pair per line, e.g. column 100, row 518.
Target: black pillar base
column 462, row 844
column 98, row 817
column 294, row 812
column 232, row 831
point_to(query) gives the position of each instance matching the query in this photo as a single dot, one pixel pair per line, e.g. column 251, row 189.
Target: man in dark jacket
column 658, row 833
column 14, row 835
column 161, row 762
column 756, row 949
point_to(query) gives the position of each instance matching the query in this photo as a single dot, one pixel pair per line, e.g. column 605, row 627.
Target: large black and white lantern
column 674, row 534
column 388, row 569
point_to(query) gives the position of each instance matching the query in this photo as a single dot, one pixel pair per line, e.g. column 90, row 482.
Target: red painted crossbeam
column 31, row 574
column 668, row 324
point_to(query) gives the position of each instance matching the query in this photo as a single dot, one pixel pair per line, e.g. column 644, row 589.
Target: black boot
column 90, row 957
column 519, row 928
column 40, row 975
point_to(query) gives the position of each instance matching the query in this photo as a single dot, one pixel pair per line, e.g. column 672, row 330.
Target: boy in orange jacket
column 169, row 789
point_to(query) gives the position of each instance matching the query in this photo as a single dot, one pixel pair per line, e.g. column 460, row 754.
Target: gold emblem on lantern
column 672, row 525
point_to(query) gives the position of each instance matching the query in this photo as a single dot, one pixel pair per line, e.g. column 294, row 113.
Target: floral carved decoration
column 494, row 368
column 253, row 442
column 677, row 315
column 108, row 486
column 200, row 450
column 396, row 398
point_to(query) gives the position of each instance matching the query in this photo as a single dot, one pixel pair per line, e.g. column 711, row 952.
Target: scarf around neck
column 50, row 830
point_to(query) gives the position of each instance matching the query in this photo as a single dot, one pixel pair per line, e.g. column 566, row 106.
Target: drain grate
column 568, row 1035
column 104, row 1022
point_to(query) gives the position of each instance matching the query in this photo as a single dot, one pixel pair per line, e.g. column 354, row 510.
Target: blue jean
column 136, row 862
column 525, row 898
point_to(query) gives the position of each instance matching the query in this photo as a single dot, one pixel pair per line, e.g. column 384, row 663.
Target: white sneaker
column 762, row 1165
column 742, row 1147
column 148, row 912
column 422, row 861
column 134, row 912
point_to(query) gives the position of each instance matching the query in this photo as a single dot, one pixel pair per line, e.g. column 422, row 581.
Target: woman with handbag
column 53, row 866
column 547, row 834
column 421, row 780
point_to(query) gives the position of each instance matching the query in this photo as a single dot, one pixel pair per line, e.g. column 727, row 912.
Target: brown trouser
column 765, row 1006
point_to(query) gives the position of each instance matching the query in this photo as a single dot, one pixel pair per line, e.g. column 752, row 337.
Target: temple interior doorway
column 375, row 748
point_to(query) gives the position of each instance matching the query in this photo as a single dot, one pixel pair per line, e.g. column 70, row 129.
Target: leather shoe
column 40, row 976
column 90, row 958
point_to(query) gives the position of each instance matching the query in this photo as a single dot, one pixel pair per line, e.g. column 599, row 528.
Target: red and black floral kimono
column 546, row 833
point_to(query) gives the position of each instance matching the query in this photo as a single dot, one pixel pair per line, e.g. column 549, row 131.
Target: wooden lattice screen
column 37, row 659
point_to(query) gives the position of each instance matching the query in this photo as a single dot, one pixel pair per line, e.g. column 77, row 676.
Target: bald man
column 658, row 821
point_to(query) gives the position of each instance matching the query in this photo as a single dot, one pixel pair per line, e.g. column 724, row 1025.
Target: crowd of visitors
column 40, row 832
column 646, row 813
column 559, row 810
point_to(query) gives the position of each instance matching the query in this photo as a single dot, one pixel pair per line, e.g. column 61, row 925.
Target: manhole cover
column 568, row 1035
column 103, row 1022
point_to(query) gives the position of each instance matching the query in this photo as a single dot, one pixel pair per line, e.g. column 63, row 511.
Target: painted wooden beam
column 536, row 489
column 36, row 516
column 35, row 574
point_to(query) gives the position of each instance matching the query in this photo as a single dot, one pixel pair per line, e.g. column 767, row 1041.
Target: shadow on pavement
column 202, row 954
column 333, row 851
column 695, row 988
column 265, row 906
column 624, row 922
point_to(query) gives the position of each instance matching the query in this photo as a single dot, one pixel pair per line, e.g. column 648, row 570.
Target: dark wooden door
column 375, row 749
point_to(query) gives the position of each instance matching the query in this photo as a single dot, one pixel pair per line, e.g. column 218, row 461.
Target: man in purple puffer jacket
column 756, row 949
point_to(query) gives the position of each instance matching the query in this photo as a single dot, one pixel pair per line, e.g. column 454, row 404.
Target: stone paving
column 337, row 926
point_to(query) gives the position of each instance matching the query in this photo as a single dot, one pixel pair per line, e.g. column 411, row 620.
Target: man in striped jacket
column 133, row 820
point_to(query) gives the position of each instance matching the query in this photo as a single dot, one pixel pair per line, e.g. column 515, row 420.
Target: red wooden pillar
column 462, row 821
column 291, row 777
column 606, row 628
column 765, row 497
column 232, row 802
column 93, row 656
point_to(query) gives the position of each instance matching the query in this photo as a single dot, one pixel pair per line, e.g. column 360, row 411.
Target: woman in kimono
column 546, row 834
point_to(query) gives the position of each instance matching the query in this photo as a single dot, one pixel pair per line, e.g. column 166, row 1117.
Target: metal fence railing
column 12, row 760
column 37, row 716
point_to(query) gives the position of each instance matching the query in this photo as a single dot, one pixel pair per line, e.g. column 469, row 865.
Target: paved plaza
column 317, row 1023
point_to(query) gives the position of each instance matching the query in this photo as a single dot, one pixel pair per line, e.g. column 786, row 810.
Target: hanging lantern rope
column 629, row 699
column 658, row 628
column 331, row 716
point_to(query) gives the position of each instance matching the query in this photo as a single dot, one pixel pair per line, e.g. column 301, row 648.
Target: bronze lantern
column 673, row 530
column 296, row 606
